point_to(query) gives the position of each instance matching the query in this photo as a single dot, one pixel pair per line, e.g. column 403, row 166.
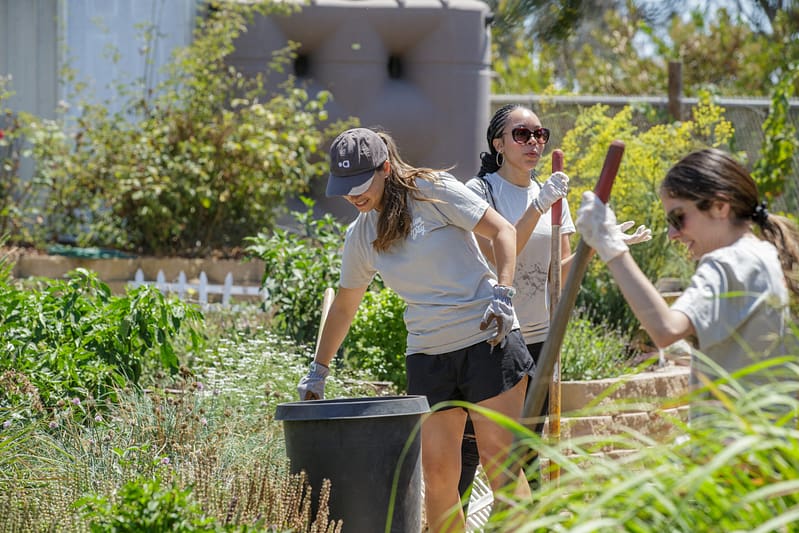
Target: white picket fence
column 198, row 292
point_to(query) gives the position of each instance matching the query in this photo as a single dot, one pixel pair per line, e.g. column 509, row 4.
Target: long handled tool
column 538, row 387
column 554, row 297
column 327, row 301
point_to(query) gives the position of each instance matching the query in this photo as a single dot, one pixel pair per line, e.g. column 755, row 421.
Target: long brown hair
column 394, row 221
column 711, row 174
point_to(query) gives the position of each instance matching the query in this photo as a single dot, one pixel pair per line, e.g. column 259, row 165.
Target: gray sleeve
column 458, row 204
column 357, row 268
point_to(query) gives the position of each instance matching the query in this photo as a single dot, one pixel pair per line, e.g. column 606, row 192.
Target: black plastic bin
column 357, row 444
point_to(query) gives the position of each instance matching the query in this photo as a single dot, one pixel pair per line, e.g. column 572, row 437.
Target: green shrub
column 146, row 504
column 299, row 265
column 16, row 194
column 377, row 338
column 778, row 155
column 211, row 428
column 72, row 339
column 592, row 351
column 191, row 167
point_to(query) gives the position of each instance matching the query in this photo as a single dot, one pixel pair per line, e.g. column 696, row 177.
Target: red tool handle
column 538, row 386
column 557, row 166
column 609, row 170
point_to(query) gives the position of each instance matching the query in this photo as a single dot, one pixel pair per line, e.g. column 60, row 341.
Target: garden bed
column 119, row 272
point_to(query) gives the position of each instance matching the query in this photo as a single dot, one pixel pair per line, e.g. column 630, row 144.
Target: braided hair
column 496, row 128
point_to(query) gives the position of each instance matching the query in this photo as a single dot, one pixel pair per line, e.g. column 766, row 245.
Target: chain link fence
column 746, row 114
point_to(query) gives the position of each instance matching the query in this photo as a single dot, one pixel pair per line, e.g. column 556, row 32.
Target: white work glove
column 642, row 233
column 596, row 223
column 312, row 386
column 500, row 310
column 555, row 188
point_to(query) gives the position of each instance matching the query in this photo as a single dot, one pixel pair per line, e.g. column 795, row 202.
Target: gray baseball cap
column 354, row 157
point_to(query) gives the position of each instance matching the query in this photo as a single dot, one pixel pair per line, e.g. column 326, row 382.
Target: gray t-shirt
column 438, row 270
column 738, row 304
column 532, row 264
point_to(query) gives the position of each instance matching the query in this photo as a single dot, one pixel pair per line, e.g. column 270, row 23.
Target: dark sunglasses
column 522, row 135
column 676, row 218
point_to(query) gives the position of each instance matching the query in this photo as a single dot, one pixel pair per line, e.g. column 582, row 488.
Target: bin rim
column 352, row 408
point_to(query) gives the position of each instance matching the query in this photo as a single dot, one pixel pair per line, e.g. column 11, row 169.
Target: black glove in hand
column 312, row 386
column 500, row 310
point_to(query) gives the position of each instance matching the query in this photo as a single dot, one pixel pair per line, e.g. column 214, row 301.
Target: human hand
column 500, row 310
column 641, row 234
column 555, row 188
column 312, row 386
column 596, row 223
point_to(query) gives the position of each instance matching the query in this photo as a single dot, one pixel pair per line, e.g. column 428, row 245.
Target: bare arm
column 664, row 325
column 339, row 318
column 524, row 229
column 500, row 236
column 566, row 256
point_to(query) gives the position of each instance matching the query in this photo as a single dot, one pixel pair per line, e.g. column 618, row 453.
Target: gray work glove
column 641, row 234
column 500, row 310
column 555, row 188
column 312, row 386
column 596, row 223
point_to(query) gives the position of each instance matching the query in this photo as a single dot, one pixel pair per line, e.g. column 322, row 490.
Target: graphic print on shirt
column 532, row 280
column 417, row 228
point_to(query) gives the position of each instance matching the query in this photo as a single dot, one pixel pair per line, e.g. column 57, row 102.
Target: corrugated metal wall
column 99, row 39
column 29, row 53
column 746, row 114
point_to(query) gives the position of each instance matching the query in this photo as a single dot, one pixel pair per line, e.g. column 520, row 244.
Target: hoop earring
column 499, row 159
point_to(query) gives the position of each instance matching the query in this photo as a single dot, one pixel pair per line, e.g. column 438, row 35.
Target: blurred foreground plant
column 737, row 470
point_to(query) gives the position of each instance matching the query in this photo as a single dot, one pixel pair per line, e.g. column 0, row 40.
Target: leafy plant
column 72, row 339
column 377, row 338
column 146, row 504
column 210, row 428
column 781, row 146
column 592, row 351
column 192, row 166
column 16, row 195
column 299, row 265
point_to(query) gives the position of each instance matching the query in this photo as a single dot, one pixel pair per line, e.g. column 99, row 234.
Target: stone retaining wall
column 646, row 402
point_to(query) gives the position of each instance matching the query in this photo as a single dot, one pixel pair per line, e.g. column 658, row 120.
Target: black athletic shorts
column 472, row 374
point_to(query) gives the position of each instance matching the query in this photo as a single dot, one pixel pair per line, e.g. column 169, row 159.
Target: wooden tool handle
column 557, row 166
column 327, row 301
column 539, row 385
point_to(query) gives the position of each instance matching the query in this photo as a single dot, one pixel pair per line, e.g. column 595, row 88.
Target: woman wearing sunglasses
column 415, row 228
column 737, row 304
column 508, row 180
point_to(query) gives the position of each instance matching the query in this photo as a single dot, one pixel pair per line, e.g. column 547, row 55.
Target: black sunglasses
column 522, row 135
column 676, row 218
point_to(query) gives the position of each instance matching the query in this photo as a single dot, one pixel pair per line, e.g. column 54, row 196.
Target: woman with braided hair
column 737, row 304
column 508, row 180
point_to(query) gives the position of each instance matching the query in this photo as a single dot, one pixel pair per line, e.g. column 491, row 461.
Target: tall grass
column 210, row 432
column 735, row 469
